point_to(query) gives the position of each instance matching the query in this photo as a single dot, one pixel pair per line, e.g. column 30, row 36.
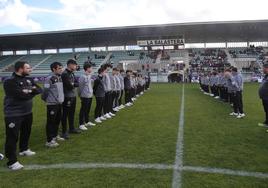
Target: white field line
column 225, row 171
column 95, row 166
column 141, row 166
column 177, row 176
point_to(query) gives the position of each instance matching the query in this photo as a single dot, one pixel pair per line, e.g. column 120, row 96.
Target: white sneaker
column 241, row 116
column 217, row 97
column 211, row 95
column 111, row 114
column 142, row 93
column 82, row 127
column 122, row 106
column 128, row 104
column 52, row 144
column 15, row 166
column 1, row 156
column 233, row 114
column 115, row 109
column 106, row 116
column 27, row 152
column 90, row 124
column 98, row 120
column 59, row 138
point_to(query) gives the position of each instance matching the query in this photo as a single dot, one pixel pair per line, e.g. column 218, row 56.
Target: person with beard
column 18, row 102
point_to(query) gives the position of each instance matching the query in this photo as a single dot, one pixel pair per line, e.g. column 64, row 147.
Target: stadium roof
column 200, row 32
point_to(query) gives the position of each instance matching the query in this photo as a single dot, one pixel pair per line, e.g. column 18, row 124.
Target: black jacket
column 69, row 83
column 263, row 91
column 19, row 92
column 127, row 83
column 98, row 88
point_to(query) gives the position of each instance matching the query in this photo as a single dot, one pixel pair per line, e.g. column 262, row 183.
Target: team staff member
column 85, row 92
column 19, row 92
column 263, row 93
column 53, row 96
column 99, row 92
column 69, row 87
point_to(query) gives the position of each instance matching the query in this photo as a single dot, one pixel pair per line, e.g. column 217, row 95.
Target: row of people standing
column 227, row 86
column 59, row 94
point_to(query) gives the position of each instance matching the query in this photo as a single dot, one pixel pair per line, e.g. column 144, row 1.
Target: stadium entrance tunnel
column 175, row 76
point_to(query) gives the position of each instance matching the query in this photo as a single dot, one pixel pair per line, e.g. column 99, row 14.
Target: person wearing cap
column 69, row 87
column 263, row 94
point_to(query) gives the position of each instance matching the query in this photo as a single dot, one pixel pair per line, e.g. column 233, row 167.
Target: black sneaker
column 75, row 131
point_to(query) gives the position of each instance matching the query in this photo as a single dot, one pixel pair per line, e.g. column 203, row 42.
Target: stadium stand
column 208, row 58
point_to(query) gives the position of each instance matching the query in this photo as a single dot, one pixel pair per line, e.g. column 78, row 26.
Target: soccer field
column 174, row 136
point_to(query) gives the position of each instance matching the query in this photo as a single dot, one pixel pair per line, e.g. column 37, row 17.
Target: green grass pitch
column 147, row 133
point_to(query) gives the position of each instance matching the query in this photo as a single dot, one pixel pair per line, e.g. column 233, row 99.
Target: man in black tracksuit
column 19, row 92
column 69, row 104
column 263, row 93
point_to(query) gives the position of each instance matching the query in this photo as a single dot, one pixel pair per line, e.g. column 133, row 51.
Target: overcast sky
column 18, row 16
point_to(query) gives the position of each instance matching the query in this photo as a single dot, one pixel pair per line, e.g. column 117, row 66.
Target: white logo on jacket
column 11, row 125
